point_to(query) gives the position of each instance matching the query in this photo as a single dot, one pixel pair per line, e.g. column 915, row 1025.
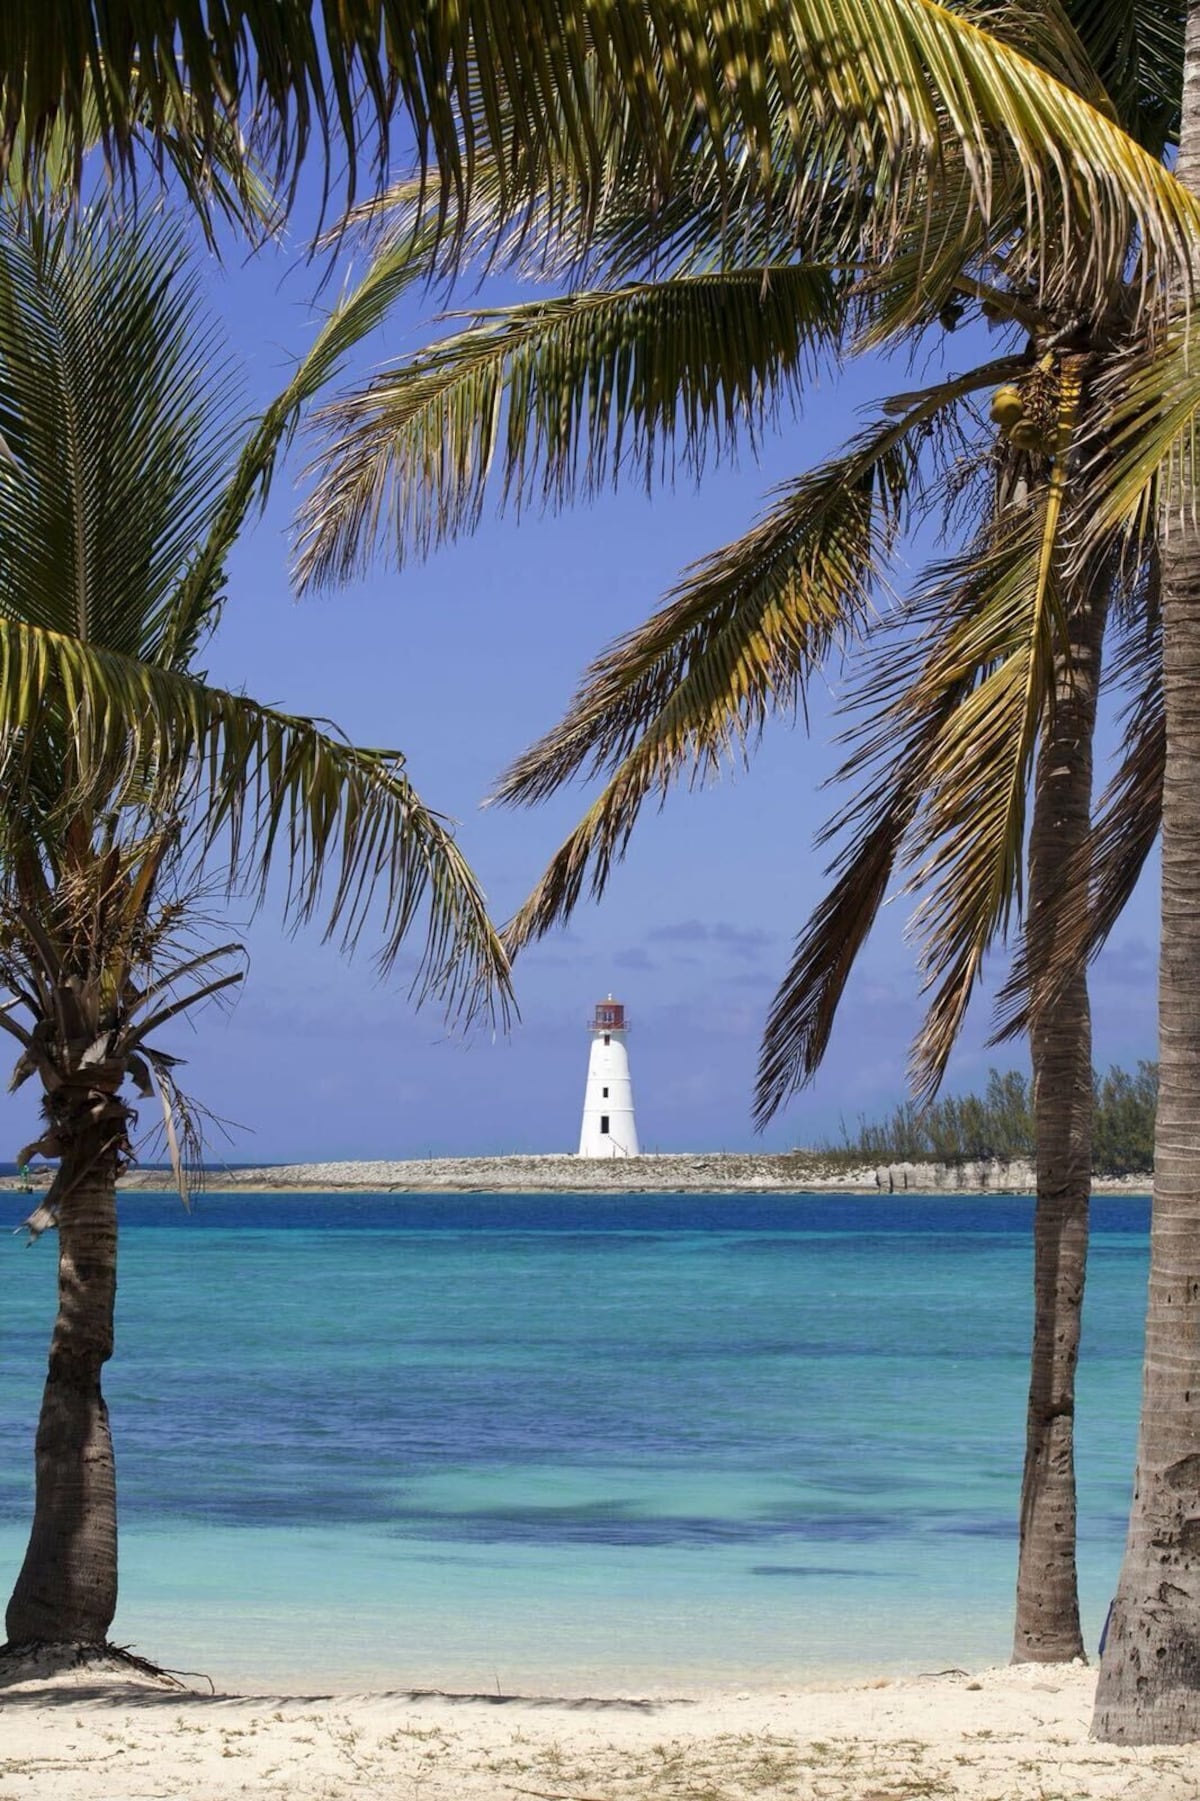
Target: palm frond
column 215, row 171
column 196, row 601
column 727, row 627
column 737, row 641
column 554, row 398
column 113, row 423
column 1144, row 457
column 939, row 715
column 709, row 221
column 875, row 825
column 1098, row 888
column 272, row 791
column 1136, row 48
column 1008, row 626
column 861, row 85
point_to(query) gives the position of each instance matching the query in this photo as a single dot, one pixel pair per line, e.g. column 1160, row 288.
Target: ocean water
column 589, row 1442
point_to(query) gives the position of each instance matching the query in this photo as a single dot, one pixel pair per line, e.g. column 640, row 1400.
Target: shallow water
column 579, row 1440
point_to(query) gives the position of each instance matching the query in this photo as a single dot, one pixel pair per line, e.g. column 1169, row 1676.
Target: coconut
column 1025, row 435
column 1008, row 404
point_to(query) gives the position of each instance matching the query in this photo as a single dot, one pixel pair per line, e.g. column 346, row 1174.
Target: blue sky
column 461, row 662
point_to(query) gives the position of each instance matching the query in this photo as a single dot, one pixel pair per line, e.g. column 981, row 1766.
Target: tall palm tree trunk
column 1047, row 1616
column 1149, row 1689
column 67, row 1589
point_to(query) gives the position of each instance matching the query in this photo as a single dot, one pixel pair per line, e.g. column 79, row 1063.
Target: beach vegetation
column 998, row 1124
column 133, row 790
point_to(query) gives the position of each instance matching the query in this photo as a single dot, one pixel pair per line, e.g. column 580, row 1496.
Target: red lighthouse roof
column 609, row 1016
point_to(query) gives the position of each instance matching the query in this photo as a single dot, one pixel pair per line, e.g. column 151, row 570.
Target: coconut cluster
column 1027, row 412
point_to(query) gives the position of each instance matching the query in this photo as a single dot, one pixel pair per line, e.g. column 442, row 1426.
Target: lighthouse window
column 604, row 1122
column 607, row 1039
column 604, row 1092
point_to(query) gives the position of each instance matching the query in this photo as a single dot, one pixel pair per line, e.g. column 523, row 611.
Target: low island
column 715, row 1172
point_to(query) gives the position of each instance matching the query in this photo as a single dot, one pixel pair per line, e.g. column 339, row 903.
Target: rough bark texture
column 1149, row 1689
column 1047, row 1614
column 67, row 1589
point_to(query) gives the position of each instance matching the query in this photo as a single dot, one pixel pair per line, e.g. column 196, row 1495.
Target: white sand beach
column 1012, row 1734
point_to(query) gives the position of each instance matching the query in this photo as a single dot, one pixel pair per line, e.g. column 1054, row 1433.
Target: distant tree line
column 999, row 1124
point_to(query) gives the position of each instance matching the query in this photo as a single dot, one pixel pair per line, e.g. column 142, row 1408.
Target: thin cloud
column 747, row 942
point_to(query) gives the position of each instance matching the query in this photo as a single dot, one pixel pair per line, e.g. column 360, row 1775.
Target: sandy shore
column 1002, row 1735
column 723, row 1172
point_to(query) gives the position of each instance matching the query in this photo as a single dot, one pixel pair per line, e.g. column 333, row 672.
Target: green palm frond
column 1002, row 614
column 950, row 704
column 272, row 792
column 364, row 303
column 1136, row 48
column 726, row 629
column 870, row 83
column 115, row 419
column 1145, row 458
column 738, row 640
column 215, row 170
column 554, row 398
column 824, row 97
column 119, row 431
column 121, row 493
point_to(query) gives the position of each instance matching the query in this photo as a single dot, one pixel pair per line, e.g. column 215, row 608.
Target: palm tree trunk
column 66, row 1592
column 1047, row 1617
column 1149, row 1689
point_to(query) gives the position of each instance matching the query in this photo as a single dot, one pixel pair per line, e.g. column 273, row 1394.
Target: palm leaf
column 1144, row 452
column 555, row 397
column 1007, row 624
column 1099, row 887
column 738, row 640
column 215, row 171
column 269, row 789
column 1136, row 48
column 115, row 421
column 861, row 84
column 950, row 703
column 876, row 825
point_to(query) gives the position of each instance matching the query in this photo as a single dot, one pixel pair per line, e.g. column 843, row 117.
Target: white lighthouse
column 608, row 1128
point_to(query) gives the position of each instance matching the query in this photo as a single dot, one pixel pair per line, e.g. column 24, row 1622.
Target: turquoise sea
column 599, row 1442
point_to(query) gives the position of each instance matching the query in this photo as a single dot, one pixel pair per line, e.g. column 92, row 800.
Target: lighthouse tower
column 608, row 1125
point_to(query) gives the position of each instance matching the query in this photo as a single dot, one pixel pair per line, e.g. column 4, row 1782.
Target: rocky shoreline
column 725, row 1172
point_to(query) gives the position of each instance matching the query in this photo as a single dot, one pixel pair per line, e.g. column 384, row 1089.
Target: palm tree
column 129, row 783
column 1149, row 1691
column 561, row 389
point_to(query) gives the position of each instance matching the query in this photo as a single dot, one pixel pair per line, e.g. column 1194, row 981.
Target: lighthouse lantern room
column 608, row 1128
